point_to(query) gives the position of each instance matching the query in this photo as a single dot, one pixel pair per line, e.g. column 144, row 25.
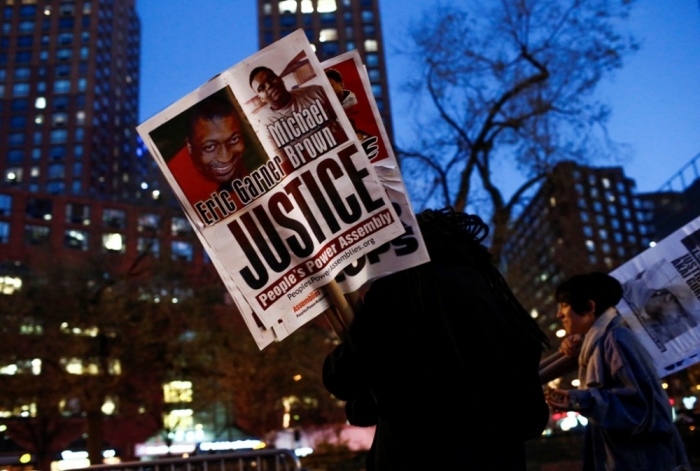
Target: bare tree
column 508, row 85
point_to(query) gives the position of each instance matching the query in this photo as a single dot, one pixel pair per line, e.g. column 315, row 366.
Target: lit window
column 177, row 391
column 59, row 119
column 13, row 174
column 288, row 6
column 40, row 103
column 307, row 6
column 371, row 45
column 326, row 6
column 74, row 239
column 114, row 242
column 64, row 54
column 328, row 34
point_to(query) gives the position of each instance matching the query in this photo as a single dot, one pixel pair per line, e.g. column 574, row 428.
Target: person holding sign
column 629, row 417
column 425, row 355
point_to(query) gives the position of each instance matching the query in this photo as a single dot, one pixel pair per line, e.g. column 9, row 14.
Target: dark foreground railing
column 257, row 460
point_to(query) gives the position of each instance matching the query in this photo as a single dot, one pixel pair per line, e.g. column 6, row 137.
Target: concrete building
column 333, row 27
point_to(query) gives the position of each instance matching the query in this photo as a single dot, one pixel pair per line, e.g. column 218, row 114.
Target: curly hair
column 457, row 237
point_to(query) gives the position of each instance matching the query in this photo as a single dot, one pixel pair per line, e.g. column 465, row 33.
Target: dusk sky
column 655, row 98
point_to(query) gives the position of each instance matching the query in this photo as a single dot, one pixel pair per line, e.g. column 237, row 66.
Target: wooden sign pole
column 340, row 315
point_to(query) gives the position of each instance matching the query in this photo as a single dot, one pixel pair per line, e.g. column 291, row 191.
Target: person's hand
column 558, row 399
column 571, row 345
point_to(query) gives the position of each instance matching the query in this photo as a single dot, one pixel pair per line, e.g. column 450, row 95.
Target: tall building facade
column 333, row 27
column 76, row 186
column 74, row 178
column 581, row 219
column 69, row 74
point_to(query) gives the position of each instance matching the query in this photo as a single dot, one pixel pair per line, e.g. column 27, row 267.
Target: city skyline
column 655, row 98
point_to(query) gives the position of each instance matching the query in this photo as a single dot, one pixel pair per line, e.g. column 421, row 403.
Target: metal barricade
column 257, row 460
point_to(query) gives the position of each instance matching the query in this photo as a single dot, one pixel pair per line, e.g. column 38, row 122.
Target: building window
column 176, row 392
column 23, row 73
column 13, row 175
column 369, row 30
column 5, row 205
column 148, row 222
column 371, row 45
column 77, row 213
column 328, row 34
column 4, row 232
column 20, row 89
column 367, row 16
column 59, row 119
column 55, row 188
column 27, row 11
column 287, row 21
column 56, row 171
column 39, row 208
column 77, row 240
column 64, row 39
column 350, row 45
column 287, row 6
column 26, row 27
column 16, row 139
column 372, row 60
column 36, row 235
column 180, row 226
column 327, row 18
column 18, row 122
column 114, row 218
column 61, row 86
column 376, row 90
column 326, row 6
column 114, row 242
column 59, row 136
column 15, row 155
column 148, row 245
column 57, row 153
column 181, row 251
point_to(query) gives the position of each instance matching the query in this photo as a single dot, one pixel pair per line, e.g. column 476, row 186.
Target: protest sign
column 353, row 89
column 272, row 176
column 661, row 300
